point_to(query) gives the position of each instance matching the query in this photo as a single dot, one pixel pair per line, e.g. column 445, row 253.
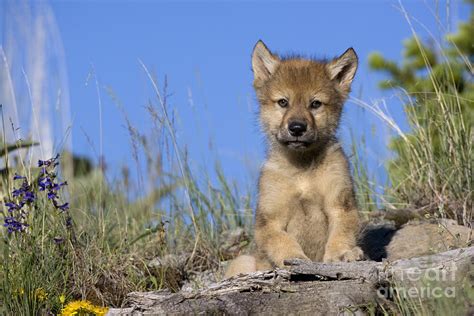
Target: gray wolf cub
column 306, row 207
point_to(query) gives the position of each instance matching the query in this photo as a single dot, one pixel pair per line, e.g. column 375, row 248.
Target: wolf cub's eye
column 283, row 103
column 315, row 104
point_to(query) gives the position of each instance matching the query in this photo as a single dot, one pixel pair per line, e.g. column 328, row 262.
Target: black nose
column 297, row 128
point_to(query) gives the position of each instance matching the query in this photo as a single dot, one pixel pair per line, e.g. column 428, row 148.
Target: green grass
column 432, row 170
column 119, row 226
column 433, row 165
column 436, row 298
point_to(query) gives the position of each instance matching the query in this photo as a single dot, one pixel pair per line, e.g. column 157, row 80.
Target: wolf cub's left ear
column 343, row 69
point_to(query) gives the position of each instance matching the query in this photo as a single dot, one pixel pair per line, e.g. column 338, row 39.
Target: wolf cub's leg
column 343, row 221
column 241, row 264
column 276, row 243
column 276, row 205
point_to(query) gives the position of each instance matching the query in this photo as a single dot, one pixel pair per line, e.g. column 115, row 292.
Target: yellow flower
column 83, row 308
column 62, row 298
column 19, row 292
column 40, row 294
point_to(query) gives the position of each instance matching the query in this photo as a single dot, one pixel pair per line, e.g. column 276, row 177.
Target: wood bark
column 308, row 288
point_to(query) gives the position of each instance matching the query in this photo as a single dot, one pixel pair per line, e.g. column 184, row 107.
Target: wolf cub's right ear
column 264, row 63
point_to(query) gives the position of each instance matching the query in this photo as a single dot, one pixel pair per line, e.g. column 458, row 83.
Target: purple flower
column 41, row 184
column 18, row 177
column 23, row 193
column 58, row 240
column 52, row 195
column 26, row 195
column 11, row 205
column 29, row 197
column 63, row 207
column 13, row 225
column 57, row 186
column 50, row 162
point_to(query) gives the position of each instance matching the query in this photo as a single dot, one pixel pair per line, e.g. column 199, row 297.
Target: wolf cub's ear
column 343, row 69
column 264, row 63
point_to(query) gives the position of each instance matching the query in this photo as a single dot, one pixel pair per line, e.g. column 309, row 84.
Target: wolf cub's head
column 301, row 99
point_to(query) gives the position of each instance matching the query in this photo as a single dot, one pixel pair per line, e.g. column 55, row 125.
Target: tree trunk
column 310, row 288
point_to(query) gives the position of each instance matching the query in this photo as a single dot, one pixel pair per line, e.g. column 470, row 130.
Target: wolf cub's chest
column 298, row 191
column 307, row 221
column 305, row 187
column 308, row 200
column 302, row 196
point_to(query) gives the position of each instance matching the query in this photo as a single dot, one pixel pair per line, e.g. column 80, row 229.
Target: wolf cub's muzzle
column 297, row 128
column 296, row 135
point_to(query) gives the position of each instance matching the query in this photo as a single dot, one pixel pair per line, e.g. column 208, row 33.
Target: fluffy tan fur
column 306, row 207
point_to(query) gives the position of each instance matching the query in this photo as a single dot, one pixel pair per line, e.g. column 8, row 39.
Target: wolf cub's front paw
column 344, row 255
column 295, row 260
column 292, row 257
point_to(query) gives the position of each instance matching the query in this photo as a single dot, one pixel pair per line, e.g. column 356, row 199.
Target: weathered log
column 306, row 287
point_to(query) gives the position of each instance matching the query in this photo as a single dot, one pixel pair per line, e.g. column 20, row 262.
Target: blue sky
column 204, row 49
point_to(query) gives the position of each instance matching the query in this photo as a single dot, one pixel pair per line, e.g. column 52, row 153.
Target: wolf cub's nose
column 297, row 128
